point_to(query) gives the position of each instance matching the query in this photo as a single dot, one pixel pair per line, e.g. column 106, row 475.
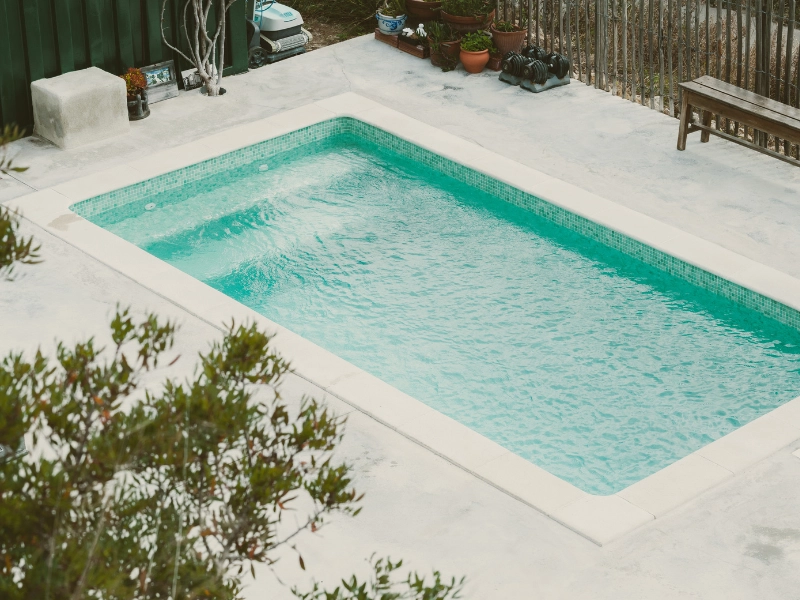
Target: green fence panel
column 63, row 32
column 45, row 38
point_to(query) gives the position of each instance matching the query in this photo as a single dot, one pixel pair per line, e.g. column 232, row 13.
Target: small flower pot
column 508, row 41
column 138, row 107
column 467, row 24
column 390, row 25
column 451, row 50
column 495, row 62
column 420, row 11
column 474, row 62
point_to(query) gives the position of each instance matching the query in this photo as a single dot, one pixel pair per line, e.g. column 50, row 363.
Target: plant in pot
column 414, row 42
column 391, row 16
column 445, row 45
column 507, row 36
column 467, row 15
column 475, row 49
column 423, row 11
column 416, row 37
column 136, row 90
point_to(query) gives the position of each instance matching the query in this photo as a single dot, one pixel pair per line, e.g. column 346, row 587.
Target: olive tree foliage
column 206, row 48
column 132, row 493
column 14, row 248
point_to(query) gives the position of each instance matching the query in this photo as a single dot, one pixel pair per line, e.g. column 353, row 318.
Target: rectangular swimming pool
column 578, row 349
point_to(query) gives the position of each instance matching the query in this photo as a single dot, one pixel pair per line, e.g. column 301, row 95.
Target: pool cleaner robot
column 276, row 32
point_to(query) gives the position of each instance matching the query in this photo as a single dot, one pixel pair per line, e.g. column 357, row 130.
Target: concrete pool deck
column 449, row 530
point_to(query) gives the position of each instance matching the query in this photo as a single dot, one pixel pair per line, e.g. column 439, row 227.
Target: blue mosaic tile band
column 345, row 125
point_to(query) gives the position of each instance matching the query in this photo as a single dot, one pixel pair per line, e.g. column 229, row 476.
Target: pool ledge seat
column 80, row 107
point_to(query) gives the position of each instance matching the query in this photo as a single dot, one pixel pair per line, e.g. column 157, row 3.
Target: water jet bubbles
column 150, row 206
column 263, row 167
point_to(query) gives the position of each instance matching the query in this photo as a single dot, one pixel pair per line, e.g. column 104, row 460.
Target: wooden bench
column 712, row 96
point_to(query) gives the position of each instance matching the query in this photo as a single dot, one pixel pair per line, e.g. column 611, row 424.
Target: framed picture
column 191, row 80
column 162, row 82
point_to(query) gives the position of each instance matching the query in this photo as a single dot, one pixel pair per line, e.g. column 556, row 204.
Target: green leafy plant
column 384, row 586
column 477, row 42
column 15, row 249
column 439, row 32
column 505, row 26
column 172, row 493
column 467, row 8
column 392, row 8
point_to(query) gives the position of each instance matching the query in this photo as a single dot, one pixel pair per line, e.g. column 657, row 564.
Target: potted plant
column 424, row 10
column 467, row 15
column 445, row 45
column 475, row 51
column 136, row 90
column 391, row 16
column 507, row 36
column 414, row 42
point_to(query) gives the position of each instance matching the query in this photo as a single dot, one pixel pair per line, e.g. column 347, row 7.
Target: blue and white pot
column 390, row 25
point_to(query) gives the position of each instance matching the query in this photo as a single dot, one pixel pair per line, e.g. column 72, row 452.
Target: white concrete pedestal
column 80, row 107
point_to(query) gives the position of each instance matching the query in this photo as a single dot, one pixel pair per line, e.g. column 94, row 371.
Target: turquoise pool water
column 590, row 364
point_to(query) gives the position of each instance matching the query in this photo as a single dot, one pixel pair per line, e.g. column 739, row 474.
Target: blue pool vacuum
column 276, row 32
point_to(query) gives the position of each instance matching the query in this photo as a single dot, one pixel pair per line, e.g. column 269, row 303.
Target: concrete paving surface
column 740, row 540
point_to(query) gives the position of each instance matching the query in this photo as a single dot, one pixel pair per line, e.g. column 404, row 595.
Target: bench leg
column 705, row 135
column 686, row 119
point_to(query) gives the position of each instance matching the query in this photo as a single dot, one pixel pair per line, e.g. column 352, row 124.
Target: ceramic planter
column 474, row 62
column 467, row 24
column 138, row 108
column 508, row 41
column 420, row 11
column 390, row 25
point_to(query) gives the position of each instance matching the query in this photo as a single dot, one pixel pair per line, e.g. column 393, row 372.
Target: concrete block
column 80, row 107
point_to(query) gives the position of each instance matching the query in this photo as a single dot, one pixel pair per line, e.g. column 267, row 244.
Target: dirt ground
column 328, row 32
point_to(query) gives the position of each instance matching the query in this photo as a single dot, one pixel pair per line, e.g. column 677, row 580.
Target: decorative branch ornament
column 206, row 53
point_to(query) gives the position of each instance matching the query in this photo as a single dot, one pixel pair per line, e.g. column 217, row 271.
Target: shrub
column 477, row 42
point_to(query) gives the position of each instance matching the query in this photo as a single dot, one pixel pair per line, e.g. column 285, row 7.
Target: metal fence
column 641, row 49
column 44, row 38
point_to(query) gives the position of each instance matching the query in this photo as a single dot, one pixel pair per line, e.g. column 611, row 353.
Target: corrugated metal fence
column 45, row 38
column 641, row 49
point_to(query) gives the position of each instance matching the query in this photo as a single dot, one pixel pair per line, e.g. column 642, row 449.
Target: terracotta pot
column 447, row 55
column 468, row 24
column 474, row 62
column 451, row 50
column 421, row 11
column 508, row 41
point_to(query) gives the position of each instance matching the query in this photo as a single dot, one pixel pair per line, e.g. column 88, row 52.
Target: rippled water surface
column 591, row 365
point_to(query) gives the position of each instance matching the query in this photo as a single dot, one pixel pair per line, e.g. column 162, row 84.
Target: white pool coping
column 601, row 519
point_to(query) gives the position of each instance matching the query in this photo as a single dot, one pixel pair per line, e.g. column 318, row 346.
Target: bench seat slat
column 748, row 96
